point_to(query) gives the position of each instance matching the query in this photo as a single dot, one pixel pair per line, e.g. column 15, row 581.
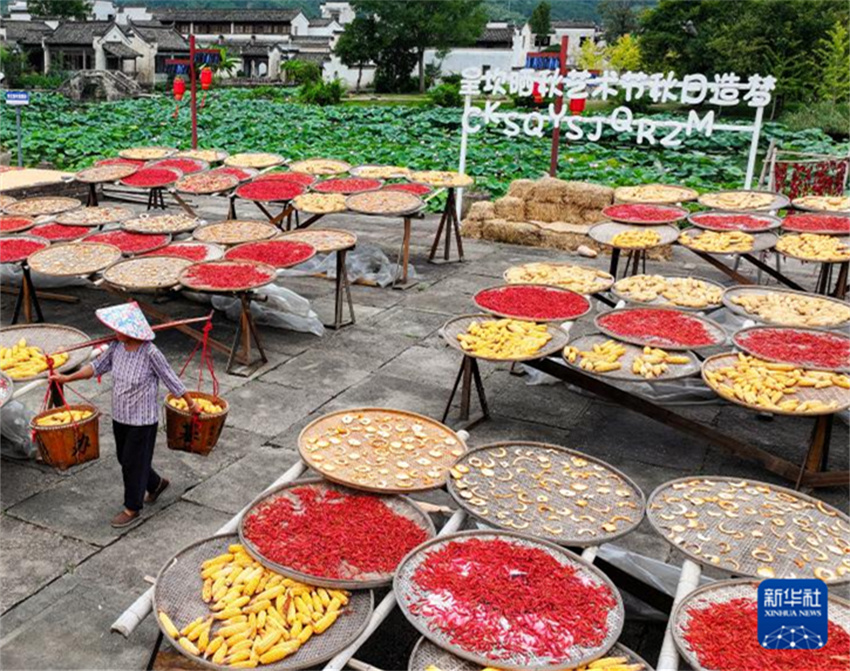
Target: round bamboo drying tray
column 74, row 259
column 44, row 242
column 235, row 232
column 714, row 329
column 320, row 203
column 126, row 241
column 740, row 342
column 19, row 225
column 99, row 174
column 446, row 179
column 208, row 155
column 533, row 476
column 604, row 233
column 255, row 160
column 836, row 394
column 178, row 594
column 94, row 216
column 674, row 214
column 661, row 301
column 325, row 240
column 524, row 287
column 799, row 204
column 382, row 203
column 207, row 182
column 400, row 505
column 723, row 591
column 406, row 591
column 172, row 224
column 777, row 201
column 269, row 191
column 146, row 273
column 736, row 292
column 195, row 285
column 370, row 171
column 845, row 240
column 342, row 185
column 238, row 252
column 770, row 221
column 761, row 242
column 198, row 166
column 211, row 252
column 624, row 373
column 826, row 229
column 665, row 194
column 437, row 444
column 49, row 338
column 43, row 205
column 454, row 327
column 169, row 179
column 146, row 153
column 320, row 166
column 601, row 281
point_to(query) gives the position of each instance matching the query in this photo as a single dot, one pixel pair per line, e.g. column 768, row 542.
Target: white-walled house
column 501, row 45
column 577, row 32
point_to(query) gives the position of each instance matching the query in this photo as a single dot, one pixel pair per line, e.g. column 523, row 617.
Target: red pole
column 194, row 84
column 559, row 103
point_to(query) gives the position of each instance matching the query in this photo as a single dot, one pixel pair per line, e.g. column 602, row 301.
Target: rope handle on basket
column 53, row 384
column 206, row 359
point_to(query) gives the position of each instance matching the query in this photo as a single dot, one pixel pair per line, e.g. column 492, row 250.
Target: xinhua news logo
column 793, row 614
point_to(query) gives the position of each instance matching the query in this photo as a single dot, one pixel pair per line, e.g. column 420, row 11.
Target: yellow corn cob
column 280, row 651
column 214, row 646
column 168, row 625
column 188, row 646
column 326, row 621
column 220, row 654
column 305, row 634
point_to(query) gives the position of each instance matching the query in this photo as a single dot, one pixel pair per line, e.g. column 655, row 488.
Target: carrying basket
column 199, row 433
column 69, row 444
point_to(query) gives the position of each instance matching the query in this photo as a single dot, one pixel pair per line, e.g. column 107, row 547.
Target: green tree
column 227, row 63
column 618, row 18
column 417, row 26
column 624, row 54
column 358, row 45
column 70, row 9
column 591, row 56
column 541, row 22
column 301, row 72
column 832, row 55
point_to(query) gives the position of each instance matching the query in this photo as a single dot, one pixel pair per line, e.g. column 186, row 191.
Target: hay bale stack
column 587, row 196
column 521, row 188
column 538, row 210
column 481, row 210
column 514, row 232
column 510, row 208
column 472, row 228
column 549, row 190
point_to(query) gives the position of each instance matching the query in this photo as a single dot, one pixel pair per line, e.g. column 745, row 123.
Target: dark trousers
column 134, row 445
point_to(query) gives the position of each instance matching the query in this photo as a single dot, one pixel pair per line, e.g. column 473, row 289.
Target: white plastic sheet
column 282, row 308
column 366, row 262
column 15, row 435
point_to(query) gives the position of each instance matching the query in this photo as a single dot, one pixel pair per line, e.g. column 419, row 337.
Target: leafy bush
column 453, row 78
column 832, row 117
column 301, row 72
column 35, row 80
column 268, row 92
column 321, row 93
column 446, row 95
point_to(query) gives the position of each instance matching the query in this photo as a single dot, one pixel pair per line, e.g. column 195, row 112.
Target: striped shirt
column 135, row 381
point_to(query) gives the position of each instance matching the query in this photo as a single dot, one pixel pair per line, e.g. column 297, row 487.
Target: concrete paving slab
column 408, row 322
column 385, row 391
column 267, row 409
column 425, row 365
column 32, row 557
column 19, row 481
column 331, row 370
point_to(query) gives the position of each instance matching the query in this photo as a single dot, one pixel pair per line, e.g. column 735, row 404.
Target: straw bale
column 592, row 217
column 472, row 228
column 544, row 211
column 521, row 188
column 514, row 232
column 510, row 208
column 481, row 210
column 568, row 242
column 548, row 190
column 564, row 227
column 585, row 195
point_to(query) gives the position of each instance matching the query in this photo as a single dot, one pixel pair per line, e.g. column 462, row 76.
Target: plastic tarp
column 366, row 262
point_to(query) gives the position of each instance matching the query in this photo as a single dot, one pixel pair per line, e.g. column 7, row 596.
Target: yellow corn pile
column 62, row 417
column 814, row 247
column 718, row 242
column 21, row 361
column 772, row 386
column 504, row 338
column 605, row 357
column 206, row 406
column 257, row 616
column 637, row 238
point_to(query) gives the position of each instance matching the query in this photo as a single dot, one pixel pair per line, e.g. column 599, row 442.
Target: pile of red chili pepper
column 527, row 301
column 723, row 637
column 803, row 348
column 732, row 222
column 347, row 185
column 185, row 165
column 644, row 214
column 269, row 190
column 239, row 173
column 411, row 187
column 14, row 224
column 231, row 275
column 658, row 327
column 276, row 253
column 129, row 243
column 17, row 249
column 121, row 161
column 191, row 252
column 332, row 534
column 150, row 178
column 504, row 600
column 299, row 178
column 817, row 223
column 59, row 232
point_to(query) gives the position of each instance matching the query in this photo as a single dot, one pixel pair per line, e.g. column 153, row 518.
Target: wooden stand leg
column 403, row 258
column 341, row 293
column 436, row 243
column 468, row 373
column 818, row 453
column 615, row 262
column 231, row 210
column 456, row 226
column 183, row 204
column 92, row 199
column 841, row 285
column 246, row 333
column 27, row 299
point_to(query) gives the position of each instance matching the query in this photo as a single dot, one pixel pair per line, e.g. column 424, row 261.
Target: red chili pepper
column 724, row 638
column 14, row 224
column 59, row 232
column 269, row 190
column 732, row 222
column 347, row 185
column 150, row 178
column 332, row 534
column 802, row 348
column 299, row 178
column 184, row 251
column 13, row 249
column 502, row 599
column 129, row 243
column 411, row 187
column 239, row 173
column 533, row 302
column 185, row 165
column 659, row 327
column 643, row 213
column 817, row 223
column 120, row 161
column 276, row 253
column 234, row 275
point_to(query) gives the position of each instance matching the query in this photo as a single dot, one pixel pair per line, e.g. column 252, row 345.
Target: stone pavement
column 65, row 574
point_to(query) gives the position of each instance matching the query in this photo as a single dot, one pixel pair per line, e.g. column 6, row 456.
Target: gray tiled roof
column 572, row 24
column 120, row 49
column 78, row 32
column 496, row 36
column 26, row 32
column 165, row 37
column 269, row 15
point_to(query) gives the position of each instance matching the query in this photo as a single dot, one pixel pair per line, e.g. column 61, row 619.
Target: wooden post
column 559, row 104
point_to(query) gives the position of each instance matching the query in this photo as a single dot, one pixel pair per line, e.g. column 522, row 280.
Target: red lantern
column 577, row 105
column 206, row 79
column 179, row 88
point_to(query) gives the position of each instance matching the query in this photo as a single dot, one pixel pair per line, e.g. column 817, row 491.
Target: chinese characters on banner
column 722, row 90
